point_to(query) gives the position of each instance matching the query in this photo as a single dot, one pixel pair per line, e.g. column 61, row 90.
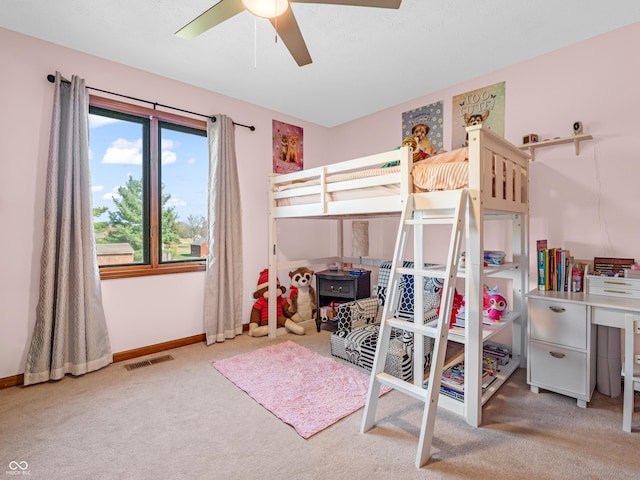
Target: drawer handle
column 557, row 354
column 334, row 290
column 614, row 283
column 617, row 291
column 553, row 308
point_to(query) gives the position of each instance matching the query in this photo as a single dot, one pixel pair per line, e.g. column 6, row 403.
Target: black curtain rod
column 52, row 78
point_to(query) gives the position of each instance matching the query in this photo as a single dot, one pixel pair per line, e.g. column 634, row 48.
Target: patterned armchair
column 358, row 325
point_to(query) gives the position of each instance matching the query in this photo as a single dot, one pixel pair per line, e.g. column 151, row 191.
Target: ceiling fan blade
column 220, row 12
column 287, row 29
column 356, row 3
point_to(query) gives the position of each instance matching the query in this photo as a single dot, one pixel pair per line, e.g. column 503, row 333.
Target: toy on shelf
column 497, row 304
column 458, row 303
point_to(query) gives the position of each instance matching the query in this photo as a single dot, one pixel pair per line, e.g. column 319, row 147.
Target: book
column 542, row 264
column 610, row 267
column 553, row 278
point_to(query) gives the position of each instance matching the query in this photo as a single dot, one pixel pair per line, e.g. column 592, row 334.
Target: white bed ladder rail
column 416, row 219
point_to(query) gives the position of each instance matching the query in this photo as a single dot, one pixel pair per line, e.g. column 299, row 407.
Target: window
column 149, row 177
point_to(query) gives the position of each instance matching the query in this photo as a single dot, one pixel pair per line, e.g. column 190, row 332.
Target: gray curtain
column 70, row 334
column 223, row 281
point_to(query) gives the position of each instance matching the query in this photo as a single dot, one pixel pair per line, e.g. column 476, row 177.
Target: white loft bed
column 496, row 176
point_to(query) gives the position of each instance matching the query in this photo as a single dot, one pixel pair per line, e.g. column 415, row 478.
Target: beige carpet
column 182, row 419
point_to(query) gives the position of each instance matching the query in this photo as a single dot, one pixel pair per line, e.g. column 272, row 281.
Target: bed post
column 474, row 282
column 273, row 265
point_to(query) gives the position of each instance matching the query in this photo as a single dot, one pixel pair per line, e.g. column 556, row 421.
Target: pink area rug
column 307, row 390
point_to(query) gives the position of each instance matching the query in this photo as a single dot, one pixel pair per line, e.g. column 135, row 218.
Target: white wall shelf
column 576, row 139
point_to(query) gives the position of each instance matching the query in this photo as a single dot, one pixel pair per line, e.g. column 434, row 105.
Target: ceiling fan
column 278, row 13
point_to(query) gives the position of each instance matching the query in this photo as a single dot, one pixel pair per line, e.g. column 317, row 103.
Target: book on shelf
column 542, row 264
column 554, row 268
column 493, row 357
column 610, row 267
column 460, row 318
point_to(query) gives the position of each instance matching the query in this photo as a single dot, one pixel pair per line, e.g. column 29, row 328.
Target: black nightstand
column 340, row 287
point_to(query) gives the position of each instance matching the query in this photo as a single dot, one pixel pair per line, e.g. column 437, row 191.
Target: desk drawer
column 558, row 322
column 611, row 317
column 338, row 288
column 558, row 369
column 614, row 287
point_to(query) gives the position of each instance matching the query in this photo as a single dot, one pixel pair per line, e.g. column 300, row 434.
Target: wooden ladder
column 416, row 220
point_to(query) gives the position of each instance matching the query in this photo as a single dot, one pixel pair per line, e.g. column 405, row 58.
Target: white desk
column 622, row 313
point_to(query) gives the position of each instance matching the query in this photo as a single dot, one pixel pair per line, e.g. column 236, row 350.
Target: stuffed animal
column 456, row 305
column 413, row 144
column 259, row 322
column 302, row 298
column 498, row 305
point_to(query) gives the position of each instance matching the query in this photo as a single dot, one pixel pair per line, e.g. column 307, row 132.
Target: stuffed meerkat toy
column 302, row 300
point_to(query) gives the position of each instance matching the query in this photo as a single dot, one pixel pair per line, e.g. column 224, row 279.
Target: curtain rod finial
column 51, row 78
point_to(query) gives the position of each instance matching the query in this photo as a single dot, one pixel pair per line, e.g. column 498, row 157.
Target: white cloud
column 168, row 144
column 111, row 196
column 96, row 121
column 97, row 188
column 124, row 152
column 168, row 157
column 191, row 161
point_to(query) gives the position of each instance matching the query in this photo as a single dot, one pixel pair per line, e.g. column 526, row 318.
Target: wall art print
column 425, row 125
column 484, row 104
column 288, row 151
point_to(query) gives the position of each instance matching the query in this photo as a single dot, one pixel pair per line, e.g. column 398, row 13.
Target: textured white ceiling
column 364, row 59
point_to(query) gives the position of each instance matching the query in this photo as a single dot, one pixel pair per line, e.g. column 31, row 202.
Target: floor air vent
column 146, row 363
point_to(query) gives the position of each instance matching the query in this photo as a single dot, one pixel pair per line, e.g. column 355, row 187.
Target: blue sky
column 116, row 154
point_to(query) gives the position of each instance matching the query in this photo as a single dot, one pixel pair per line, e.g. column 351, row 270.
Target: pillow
column 457, row 155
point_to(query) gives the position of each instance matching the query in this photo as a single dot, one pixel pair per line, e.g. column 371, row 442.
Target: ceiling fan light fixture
column 266, row 8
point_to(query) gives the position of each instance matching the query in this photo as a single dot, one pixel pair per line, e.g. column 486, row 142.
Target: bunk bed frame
column 497, row 189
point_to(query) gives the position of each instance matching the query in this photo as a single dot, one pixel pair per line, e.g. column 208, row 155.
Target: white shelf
column 457, row 406
column 489, row 270
column 457, row 334
column 576, row 139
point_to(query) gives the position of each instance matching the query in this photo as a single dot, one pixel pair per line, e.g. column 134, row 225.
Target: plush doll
column 417, row 153
column 302, row 298
column 498, row 305
column 457, row 304
column 259, row 322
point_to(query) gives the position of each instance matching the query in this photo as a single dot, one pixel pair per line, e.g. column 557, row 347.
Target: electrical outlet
column 638, row 358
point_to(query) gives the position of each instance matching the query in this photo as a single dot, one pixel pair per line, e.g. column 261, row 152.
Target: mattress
column 427, row 176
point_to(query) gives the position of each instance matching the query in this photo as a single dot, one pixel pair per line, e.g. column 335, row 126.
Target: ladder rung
column 424, row 330
column 416, row 392
column 435, row 272
column 431, row 221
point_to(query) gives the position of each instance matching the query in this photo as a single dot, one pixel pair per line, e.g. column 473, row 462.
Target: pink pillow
column 458, row 155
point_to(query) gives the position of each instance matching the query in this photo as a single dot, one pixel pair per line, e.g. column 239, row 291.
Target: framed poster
column 287, row 144
column 425, row 125
column 484, row 105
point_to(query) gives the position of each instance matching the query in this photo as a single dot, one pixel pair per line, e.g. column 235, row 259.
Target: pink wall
column 139, row 311
column 586, row 203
